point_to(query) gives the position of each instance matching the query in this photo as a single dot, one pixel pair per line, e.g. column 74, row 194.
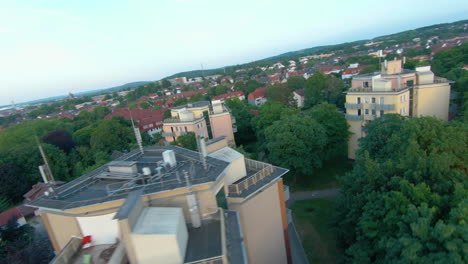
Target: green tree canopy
column 296, row 142
column 296, row 82
column 410, row 206
column 280, row 93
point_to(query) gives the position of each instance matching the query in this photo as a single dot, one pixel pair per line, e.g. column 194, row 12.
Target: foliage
column 406, row 199
column 111, row 135
column 187, row 141
column 296, row 82
column 61, row 139
column 321, row 88
column 336, row 129
column 296, row 142
column 369, row 69
column 241, row 112
column 280, row 93
column 267, row 114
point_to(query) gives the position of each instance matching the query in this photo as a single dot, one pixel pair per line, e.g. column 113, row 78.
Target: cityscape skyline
column 51, row 48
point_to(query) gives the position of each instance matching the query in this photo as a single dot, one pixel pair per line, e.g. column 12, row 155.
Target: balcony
column 353, row 106
column 167, row 134
column 177, row 120
column 375, row 90
column 263, row 170
column 354, row 117
column 386, row 107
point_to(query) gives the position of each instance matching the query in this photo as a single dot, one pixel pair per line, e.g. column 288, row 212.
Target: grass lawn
column 323, row 178
column 312, row 220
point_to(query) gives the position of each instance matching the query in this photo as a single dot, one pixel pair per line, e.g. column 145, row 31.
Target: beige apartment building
column 394, row 90
column 204, row 119
column 172, row 205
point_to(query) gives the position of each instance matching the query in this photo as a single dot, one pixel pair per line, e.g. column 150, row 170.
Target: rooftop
column 105, row 185
column 196, row 104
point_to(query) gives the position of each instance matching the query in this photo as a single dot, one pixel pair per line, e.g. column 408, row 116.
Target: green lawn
column 312, row 219
column 323, row 178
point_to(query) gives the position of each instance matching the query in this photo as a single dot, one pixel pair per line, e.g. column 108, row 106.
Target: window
column 373, row 112
column 359, row 112
column 404, row 98
column 382, row 112
column 186, row 129
column 359, row 100
column 366, row 100
column 382, row 100
column 367, row 111
column 150, row 125
column 373, row 100
column 365, row 84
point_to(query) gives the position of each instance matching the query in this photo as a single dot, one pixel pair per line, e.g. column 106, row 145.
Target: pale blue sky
column 51, row 47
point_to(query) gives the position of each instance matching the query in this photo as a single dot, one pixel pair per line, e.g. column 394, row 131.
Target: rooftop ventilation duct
column 169, row 158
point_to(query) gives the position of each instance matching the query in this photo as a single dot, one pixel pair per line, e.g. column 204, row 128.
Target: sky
column 52, row 47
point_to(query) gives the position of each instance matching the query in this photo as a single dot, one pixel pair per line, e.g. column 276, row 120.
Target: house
column 298, row 96
column 204, row 119
column 185, row 207
column 148, row 120
column 350, row 72
column 13, row 213
column 224, row 97
column 329, row 69
column 257, row 97
column 273, row 78
column 393, row 90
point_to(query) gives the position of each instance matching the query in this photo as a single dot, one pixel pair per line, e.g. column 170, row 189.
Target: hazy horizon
column 50, row 48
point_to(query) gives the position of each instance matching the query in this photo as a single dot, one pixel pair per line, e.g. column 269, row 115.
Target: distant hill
column 444, row 30
column 89, row 93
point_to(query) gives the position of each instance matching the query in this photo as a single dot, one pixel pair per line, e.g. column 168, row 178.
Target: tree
column 296, row 142
column 111, row 135
column 268, row 114
column 336, row 129
column 314, row 89
column 13, row 184
column 369, row 69
column 296, row 82
column 411, row 206
column 241, row 112
column 280, row 93
column 187, row 141
column 166, row 83
column 61, row 139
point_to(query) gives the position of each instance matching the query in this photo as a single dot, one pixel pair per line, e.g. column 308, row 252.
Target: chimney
column 202, row 149
column 169, row 158
column 192, row 204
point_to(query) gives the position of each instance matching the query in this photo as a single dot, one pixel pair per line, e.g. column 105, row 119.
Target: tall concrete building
column 204, row 119
column 394, row 90
column 171, row 205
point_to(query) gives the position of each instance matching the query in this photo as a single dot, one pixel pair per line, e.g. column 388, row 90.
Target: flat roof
column 101, row 185
column 191, row 105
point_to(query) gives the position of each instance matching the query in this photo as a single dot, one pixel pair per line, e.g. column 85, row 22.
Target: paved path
column 297, row 196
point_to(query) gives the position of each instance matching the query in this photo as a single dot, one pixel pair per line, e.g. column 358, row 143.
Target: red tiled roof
column 38, row 190
column 258, row 93
column 228, row 95
column 300, row 92
column 143, row 116
column 274, row 78
column 8, row 214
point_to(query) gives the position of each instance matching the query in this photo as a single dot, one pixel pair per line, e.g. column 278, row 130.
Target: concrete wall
column 198, row 128
column 102, row 229
column 61, row 229
column 433, row 100
column 221, row 125
column 262, row 226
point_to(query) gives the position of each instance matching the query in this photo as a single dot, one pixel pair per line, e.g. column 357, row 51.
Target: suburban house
column 166, row 204
column 394, row 90
column 148, row 120
column 224, row 97
column 204, row 119
column 298, row 96
column 257, row 97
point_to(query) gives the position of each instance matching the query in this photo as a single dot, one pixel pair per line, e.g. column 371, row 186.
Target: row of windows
column 372, row 112
column 403, row 110
column 200, row 125
column 403, row 98
column 372, row 100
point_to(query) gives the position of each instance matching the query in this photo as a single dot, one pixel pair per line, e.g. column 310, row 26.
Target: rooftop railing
column 177, row 120
column 264, row 170
column 371, row 89
column 354, row 117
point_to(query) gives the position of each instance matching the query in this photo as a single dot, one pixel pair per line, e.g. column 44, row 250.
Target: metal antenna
column 47, row 170
column 136, row 130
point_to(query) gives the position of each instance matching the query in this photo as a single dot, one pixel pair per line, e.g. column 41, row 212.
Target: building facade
column 394, row 90
column 204, row 119
column 172, row 205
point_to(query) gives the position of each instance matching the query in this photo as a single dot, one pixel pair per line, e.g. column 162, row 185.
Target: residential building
column 298, row 96
column 178, row 80
column 394, row 90
column 224, row 97
column 171, row 205
column 10, row 214
column 204, row 119
column 257, row 97
column 148, row 120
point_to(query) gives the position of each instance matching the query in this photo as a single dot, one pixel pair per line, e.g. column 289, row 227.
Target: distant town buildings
column 223, row 97
column 394, row 90
column 298, row 96
column 204, row 119
column 148, row 120
column 257, row 97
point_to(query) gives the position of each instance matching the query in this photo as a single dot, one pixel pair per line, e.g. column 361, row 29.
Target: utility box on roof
column 160, row 236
